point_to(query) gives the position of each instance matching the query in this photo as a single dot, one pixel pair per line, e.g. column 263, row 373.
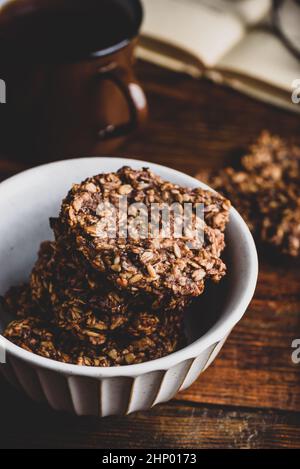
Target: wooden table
column 250, row 396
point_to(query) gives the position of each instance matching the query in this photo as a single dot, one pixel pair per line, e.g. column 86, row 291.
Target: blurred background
column 71, row 86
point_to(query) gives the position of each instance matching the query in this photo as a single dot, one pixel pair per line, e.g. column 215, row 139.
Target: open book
column 227, row 41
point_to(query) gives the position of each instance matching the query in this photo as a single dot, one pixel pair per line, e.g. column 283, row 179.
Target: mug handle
column 135, row 98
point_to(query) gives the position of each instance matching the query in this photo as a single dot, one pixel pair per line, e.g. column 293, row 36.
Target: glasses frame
column 278, row 29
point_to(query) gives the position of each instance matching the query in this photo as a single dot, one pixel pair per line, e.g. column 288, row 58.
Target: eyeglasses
column 286, row 21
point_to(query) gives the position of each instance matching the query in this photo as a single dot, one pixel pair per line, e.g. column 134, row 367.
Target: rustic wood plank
column 197, row 124
column 174, row 425
column 255, row 366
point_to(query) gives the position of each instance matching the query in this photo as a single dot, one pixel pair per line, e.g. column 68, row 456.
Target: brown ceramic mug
column 69, row 97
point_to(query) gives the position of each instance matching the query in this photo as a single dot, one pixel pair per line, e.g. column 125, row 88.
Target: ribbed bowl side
column 8, row 373
column 56, row 389
column 216, row 350
column 144, row 391
column 172, row 381
column 197, row 367
column 85, row 395
column 115, row 396
column 101, row 397
column 27, row 378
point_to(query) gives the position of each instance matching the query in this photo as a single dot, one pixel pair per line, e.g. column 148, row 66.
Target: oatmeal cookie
column 266, row 191
column 87, row 322
column 34, row 335
column 18, row 302
column 116, row 353
column 157, row 265
column 59, row 284
column 56, row 279
column 97, row 330
column 83, row 310
column 86, row 327
column 41, row 338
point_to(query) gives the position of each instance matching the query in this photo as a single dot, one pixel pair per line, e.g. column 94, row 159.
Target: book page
column 250, row 12
column 177, row 64
column 262, row 56
column 207, row 33
column 254, row 88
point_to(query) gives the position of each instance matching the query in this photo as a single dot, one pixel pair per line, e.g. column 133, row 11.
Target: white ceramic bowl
column 26, row 203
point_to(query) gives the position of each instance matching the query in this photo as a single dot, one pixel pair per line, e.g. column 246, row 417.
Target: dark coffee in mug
column 66, row 28
column 67, row 65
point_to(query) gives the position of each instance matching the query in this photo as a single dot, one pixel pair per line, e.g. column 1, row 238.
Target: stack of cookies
column 266, row 191
column 108, row 291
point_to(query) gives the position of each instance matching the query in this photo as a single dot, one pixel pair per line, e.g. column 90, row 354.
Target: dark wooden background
column 250, row 396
